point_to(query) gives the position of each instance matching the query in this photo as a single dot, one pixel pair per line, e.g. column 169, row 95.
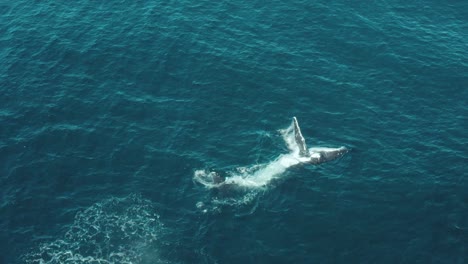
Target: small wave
column 112, row 231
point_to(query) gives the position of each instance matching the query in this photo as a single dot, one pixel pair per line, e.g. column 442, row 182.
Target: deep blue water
column 108, row 110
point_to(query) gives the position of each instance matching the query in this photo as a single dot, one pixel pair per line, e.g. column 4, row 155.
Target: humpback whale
column 259, row 175
column 314, row 155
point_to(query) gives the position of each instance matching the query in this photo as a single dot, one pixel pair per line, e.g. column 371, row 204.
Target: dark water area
column 109, row 111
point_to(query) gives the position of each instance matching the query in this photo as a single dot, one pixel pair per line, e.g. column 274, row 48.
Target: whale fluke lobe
column 300, row 141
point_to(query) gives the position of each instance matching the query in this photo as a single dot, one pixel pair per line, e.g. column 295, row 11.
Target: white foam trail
column 116, row 230
column 259, row 175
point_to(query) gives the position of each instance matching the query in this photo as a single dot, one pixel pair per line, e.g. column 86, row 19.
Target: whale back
column 327, row 154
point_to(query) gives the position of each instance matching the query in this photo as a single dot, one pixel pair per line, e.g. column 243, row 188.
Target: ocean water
column 117, row 116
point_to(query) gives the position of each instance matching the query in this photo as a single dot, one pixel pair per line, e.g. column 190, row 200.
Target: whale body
column 259, row 175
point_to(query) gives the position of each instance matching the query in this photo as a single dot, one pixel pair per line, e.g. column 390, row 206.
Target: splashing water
column 241, row 186
column 255, row 176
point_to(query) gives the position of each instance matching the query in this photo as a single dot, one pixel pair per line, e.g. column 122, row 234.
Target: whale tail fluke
column 300, row 141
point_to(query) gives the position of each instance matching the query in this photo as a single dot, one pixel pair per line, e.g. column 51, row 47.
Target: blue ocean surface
column 118, row 117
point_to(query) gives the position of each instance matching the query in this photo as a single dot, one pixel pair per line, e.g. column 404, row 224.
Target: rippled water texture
column 115, row 114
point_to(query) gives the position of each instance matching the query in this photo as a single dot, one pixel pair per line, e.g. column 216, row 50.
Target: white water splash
column 258, row 175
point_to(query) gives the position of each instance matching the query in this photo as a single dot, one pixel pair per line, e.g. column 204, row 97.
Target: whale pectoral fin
column 300, row 141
